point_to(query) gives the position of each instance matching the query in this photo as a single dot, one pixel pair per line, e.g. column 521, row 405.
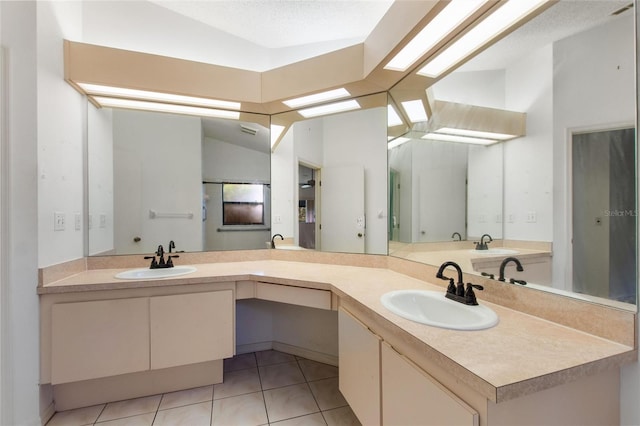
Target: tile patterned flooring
column 260, row 388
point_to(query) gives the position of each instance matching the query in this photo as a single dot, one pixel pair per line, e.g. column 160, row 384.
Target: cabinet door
column 191, row 328
column 99, row 339
column 412, row 397
column 359, row 373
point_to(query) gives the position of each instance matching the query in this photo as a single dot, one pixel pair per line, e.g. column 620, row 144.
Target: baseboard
column 306, row 353
column 253, row 347
column 48, row 412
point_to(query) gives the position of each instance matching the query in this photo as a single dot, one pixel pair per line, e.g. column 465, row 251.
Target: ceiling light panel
column 397, row 142
column 316, row 98
column 443, row 24
column 160, row 107
column 500, row 20
column 276, row 131
column 109, row 91
column 415, row 111
column 329, row 108
column 461, row 139
column 475, row 133
column 393, row 119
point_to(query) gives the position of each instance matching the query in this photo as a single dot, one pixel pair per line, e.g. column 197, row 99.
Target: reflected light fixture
column 330, row 108
column 120, row 92
column 316, row 98
column 415, row 111
column 393, row 119
column 276, row 131
column 457, row 138
column 397, row 142
column 475, row 133
column 505, row 16
column 162, row 107
column 444, row 23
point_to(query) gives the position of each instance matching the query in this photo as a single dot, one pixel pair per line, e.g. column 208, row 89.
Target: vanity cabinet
column 359, row 372
column 410, row 396
column 191, row 328
column 99, row 339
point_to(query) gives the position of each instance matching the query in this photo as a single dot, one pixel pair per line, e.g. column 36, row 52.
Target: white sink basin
column 494, row 252
column 433, row 308
column 141, row 274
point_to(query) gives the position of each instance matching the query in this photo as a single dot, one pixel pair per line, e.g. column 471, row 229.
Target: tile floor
column 261, row 388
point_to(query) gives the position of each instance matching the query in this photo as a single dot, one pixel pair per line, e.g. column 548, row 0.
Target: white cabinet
column 313, row 298
column 412, row 397
column 191, row 328
column 99, row 339
column 359, row 373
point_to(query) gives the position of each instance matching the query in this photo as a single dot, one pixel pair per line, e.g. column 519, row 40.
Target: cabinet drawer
column 294, row 295
column 99, row 339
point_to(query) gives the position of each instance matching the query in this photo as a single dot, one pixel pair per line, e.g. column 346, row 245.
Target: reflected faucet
column 172, row 245
column 454, row 236
column 161, row 263
column 503, row 265
column 482, row 245
column 273, row 244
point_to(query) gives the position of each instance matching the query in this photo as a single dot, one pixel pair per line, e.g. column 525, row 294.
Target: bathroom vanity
column 104, row 339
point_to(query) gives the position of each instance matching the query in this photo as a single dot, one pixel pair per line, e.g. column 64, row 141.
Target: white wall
column 159, row 168
column 400, row 161
column 100, row 178
column 485, row 191
column 283, row 187
column 481, row 88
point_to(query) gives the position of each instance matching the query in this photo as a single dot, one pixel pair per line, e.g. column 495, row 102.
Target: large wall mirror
column 204, row 183
column 562, row 198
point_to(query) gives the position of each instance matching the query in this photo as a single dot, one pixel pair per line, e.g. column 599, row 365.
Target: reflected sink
column 141, row 274
column 433, row 308
column 494, row 251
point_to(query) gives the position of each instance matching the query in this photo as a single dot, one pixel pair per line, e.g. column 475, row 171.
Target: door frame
column 317, row 172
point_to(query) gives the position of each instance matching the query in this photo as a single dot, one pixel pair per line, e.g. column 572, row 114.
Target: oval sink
column 433, row 308
column 141, row 274
column 494, row 252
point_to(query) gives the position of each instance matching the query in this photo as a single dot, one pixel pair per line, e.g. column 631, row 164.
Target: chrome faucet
column 519, row 268
column 457, row 291
column 273, row 244
column 454, row 236
column 482, row 245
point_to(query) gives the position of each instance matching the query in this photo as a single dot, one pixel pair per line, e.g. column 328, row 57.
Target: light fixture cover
column 162, row 107
column 317, row 98
column 475, row 133
column 455, row 138
column 330, row 108
column 397, row 142
column 415, row 111
column 393, row 119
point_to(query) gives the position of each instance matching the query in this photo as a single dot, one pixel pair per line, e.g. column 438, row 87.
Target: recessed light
column 160, row 107
column 330, row 108
column 505, row 16
column 109, row 91
column 444, row 23
column 415, row 111
column 461, row 139
column 317, row 98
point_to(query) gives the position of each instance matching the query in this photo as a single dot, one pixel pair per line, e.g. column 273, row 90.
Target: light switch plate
column 58, row 221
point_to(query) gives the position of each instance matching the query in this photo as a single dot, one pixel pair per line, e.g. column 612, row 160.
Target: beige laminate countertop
column 521, row 355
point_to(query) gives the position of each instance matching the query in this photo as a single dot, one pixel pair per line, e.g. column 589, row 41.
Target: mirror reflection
column 568, row 205
column 203, row 183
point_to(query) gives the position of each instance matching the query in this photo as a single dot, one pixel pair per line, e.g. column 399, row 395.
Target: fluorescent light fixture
column 109, row 91
column 317, row 98
column 444, row 23
column 415, row 111
column 160, row 107
column 461, row 139
column 393, row 119
column 505, row 16
column 276, row 131
column 475, row 133
column 397, row 142
column 330, row 108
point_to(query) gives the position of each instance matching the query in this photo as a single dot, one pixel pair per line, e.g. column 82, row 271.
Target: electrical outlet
column 78, row 221
column 58, row 221
column 277, row 219
column 532, row 217
column 103, row 220
column 511, row 217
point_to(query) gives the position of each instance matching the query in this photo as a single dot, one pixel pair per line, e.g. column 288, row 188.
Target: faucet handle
column 470, row 295
column 154, row 263
column 514, row 281
column 170, row 261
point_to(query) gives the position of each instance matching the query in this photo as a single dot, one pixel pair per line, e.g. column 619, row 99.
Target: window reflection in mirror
column 574, row 76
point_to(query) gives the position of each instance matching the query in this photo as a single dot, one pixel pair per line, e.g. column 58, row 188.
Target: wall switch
column 498, row 218
column 532, row 217
column 277, row 219
column 103, row 220
column 58, row 221
column 78, row 221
